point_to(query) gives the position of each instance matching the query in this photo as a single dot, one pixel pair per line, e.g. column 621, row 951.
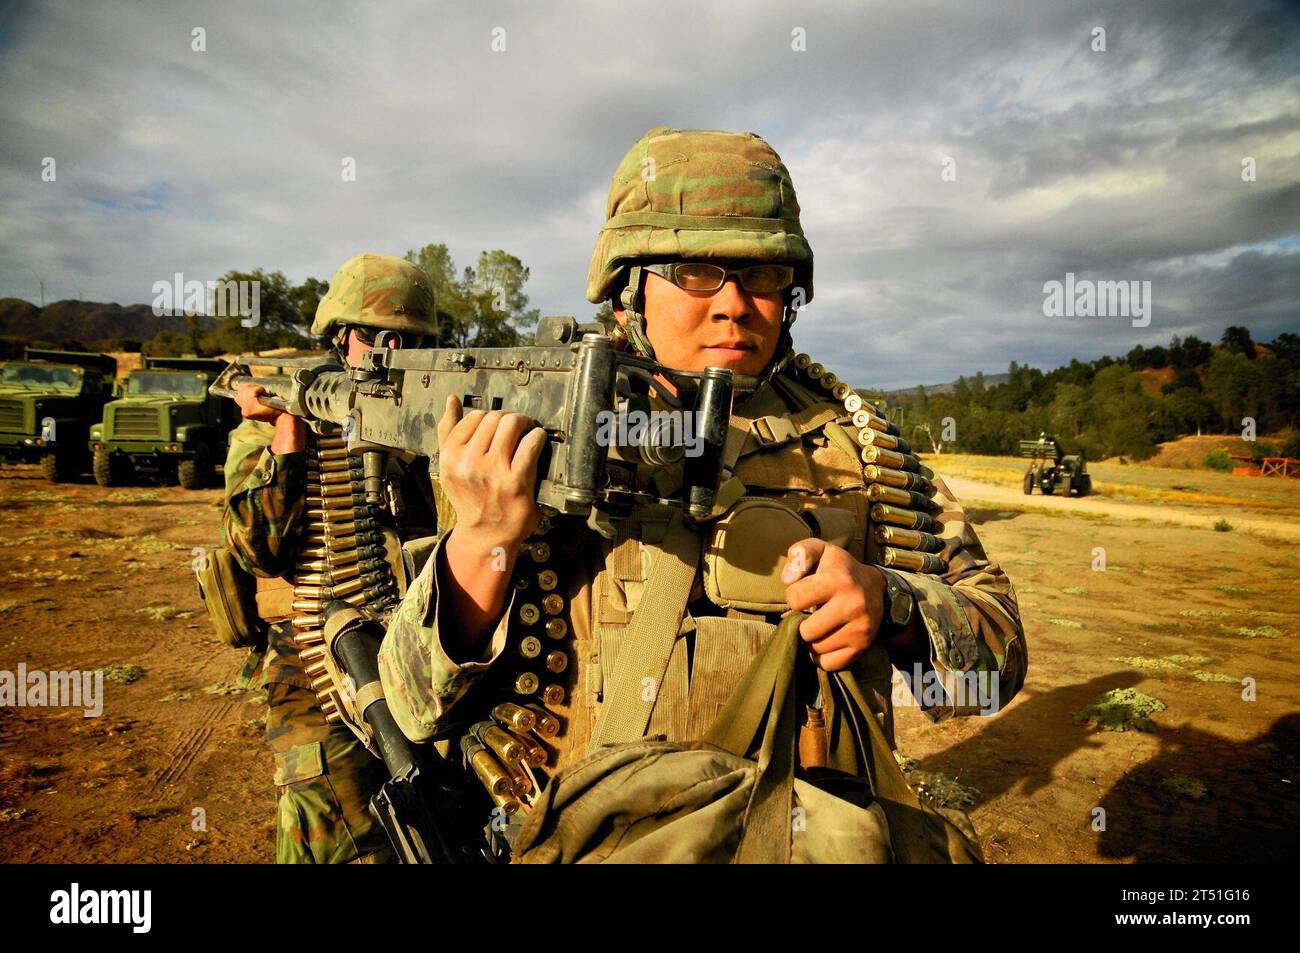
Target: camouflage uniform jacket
column 969, row 614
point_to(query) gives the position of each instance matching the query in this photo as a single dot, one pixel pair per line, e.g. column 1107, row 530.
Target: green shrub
column 1218, row 460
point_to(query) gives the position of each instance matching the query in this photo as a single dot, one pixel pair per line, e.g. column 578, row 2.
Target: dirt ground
column 175, row 769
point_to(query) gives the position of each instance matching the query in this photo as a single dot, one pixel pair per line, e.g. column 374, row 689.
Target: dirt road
column 974, row 491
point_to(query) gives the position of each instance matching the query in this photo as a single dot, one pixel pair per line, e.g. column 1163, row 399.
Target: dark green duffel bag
column 736, row 798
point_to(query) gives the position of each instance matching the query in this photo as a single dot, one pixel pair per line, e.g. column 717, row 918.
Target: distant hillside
column 1127, row 406
column 94, row 324
column 934, row 390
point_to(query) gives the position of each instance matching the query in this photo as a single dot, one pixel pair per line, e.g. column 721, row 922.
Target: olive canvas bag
column 737, row 797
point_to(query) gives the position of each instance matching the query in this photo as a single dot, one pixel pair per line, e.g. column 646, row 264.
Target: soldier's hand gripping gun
column 582, row 391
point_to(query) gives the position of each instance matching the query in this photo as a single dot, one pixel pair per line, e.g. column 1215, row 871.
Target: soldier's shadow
column 1248, row 809
column 1020, row 748
column 1206, row 797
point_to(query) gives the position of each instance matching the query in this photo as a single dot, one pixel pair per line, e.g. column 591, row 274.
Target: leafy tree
column 1187, row 411
column 1229, row 383
column 281, row 319
column 306, row 298
column 484, row 306
column 1069, row 410
column 1236, row 340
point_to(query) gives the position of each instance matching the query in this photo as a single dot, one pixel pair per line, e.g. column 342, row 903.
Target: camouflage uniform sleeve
column 421, row 681
column 265, row 499
column 976, row 640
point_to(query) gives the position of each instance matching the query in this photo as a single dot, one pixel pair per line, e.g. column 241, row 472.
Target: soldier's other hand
column 253, row 409
column 487, row 465
column 849, row 597
column 290, row 431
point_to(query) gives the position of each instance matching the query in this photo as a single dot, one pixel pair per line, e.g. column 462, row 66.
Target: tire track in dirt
column 191, row 744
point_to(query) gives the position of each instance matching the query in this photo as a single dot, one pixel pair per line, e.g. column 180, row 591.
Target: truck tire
column 60, row 467
column 1048, row 488
column 1067, row 486
column 1085, row 485
column 103, row 468
column 194, row 472
column 1029, row 483
column 110, row 470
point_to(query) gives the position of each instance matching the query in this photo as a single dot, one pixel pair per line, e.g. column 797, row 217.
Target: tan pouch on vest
column 228, row 594
column 745, row 555
column 415, row 554
column 274, row 599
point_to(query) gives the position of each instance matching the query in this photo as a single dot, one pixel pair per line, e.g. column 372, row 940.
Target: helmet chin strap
column 630, row 298
column 337, row 343
column 744, row 385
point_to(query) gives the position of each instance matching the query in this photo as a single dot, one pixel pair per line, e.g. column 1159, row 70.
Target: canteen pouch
column 745, row 555
column 230, row 596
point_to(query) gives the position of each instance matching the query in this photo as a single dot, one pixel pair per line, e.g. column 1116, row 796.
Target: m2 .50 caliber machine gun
column 583, row 393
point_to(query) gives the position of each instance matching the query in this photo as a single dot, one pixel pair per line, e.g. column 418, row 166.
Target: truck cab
column 164, row 423
column 48, row 402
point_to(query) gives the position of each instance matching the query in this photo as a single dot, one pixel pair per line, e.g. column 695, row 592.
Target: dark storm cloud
column 1123, row 164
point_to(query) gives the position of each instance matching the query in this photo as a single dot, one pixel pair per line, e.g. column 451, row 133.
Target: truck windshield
column 39, row 375
column 157, row 382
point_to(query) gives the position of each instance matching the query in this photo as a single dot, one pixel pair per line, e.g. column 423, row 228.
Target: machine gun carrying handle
column 228, row 386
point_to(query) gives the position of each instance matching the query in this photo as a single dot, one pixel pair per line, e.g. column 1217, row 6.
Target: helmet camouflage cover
column 377, row 291
column 697, row 193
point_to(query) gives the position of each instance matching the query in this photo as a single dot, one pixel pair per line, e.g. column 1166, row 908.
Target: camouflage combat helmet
column 696, row 193
column 377, row 291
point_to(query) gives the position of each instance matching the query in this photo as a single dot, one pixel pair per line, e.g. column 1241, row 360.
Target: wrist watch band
column 899, row 603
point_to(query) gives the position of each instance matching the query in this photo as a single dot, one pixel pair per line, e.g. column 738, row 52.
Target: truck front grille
column 136, row 423
column 11, row 416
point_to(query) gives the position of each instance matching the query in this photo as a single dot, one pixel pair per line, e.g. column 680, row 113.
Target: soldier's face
column 730, row 327
column 356, row 350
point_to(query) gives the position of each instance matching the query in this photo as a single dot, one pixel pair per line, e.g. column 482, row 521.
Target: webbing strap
column 731, row 488
column 647, row 643
column 773, row 430
column 808, row 404
column 759, row 721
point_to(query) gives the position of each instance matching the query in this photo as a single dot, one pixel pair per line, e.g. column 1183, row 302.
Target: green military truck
column 165, row 423
column 48, row 402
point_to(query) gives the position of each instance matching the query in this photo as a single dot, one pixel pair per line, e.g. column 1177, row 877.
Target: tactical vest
column 806, row 456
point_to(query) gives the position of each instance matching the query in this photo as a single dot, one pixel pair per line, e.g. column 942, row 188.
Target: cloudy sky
column 1122, row 164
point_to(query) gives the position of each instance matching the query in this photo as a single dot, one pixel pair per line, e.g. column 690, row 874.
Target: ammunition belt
column 898, row 485
column 504, row 750
column 342, row 556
